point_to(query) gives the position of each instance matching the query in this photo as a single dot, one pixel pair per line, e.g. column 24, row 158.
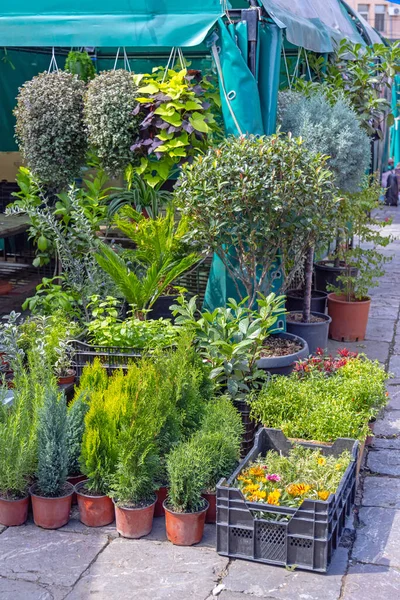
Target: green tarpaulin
column 101, row 23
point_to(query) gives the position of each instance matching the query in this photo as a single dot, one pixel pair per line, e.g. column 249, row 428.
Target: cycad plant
column 52, row 444
column 160, row 258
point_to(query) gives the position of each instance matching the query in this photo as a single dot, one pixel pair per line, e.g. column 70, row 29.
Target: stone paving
column 79, row 563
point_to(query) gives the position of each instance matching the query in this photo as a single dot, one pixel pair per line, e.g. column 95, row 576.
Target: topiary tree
column 52, row 444
column 250, row 199
column 50, row 129
column 331, row 129
column 109, row 118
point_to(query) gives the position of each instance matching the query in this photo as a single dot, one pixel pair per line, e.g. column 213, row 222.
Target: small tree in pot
column 51, row 494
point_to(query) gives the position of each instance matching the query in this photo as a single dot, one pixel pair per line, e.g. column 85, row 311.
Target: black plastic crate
column 311, row 534
column 249, row 427
column 112, row 357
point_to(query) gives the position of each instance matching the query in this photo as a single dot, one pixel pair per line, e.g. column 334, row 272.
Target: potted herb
column 52, row 494
column 18, row 441
column 221, row 434
column 63, row 366
column 348, row 302
column 189, row 468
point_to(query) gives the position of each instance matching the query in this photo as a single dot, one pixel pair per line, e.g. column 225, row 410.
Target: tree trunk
column 308, row 284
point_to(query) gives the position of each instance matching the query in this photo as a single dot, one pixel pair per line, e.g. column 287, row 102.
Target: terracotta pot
column 67, row 379
column 73, row 480
column 5, row 288
column 134, row 523
column 94, row 511
column 185, row 529
column 162, row 494
column 13, row 512
column 349, row 319
column 211, row 514
column 51, row 513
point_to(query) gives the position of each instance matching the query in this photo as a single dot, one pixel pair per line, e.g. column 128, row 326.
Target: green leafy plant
column 230, row 339
column 75, row 430
column 50, row 129
column 52, row 444
column 157, row 262
column 189, row 470
column 53, row 295
column 139, row 195
column 364, row 75
column 110, row 120
column 80, row 64
column 18, row 451
column 317, row 407
column 245, row 201
column 176, row 121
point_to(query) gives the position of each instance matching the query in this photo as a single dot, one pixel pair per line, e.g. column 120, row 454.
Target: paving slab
column 158, row 534
column 15, row 589
column 394, row 365
column 135, row 570
column 377, row 539
column 390, row 310
column 394, row 397
column 380, row 330
column 384, row 462
column 381, row 491
column 2, row 528
column 264, row 581
column 389, row 425
column 386, row 444
column 370, row 582
column 48, row 557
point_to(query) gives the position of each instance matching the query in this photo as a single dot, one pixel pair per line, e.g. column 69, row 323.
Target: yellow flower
column 338, row 466
column 262, row 479
column 323, row 495
column 322, row 460
column 250, row 489
column 298, row 489
column 257, row 471
column 273, row 497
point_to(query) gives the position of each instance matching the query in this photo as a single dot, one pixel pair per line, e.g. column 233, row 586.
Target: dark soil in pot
column 281, row 352
column 315, row 332
column 13, row 510
column 95, row 509
column 51, row 513
column 295, row 300
column 185, row 529
column 135, row 521
column 326, row 274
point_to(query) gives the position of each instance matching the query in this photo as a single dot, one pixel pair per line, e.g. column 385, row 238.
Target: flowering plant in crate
column 288, row 480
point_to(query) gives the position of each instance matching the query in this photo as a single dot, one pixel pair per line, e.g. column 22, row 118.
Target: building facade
column 384, row 16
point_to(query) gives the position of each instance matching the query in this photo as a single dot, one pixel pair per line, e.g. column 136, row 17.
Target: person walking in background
column 392, row 189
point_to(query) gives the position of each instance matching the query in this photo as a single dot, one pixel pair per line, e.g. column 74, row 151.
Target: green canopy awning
column 150, row 23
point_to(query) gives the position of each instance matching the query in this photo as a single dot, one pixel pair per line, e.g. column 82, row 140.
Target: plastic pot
column 370, row 438
column 284, row 365
column 326, row 274
column 160, row 308
column 67, row 379
column 211, row 514
column 185, row 529
column 294, row 301
column 134, row 523
column 51, row 513
column 249, row 427
column 161, row 496
column 94, row 511
column 73, row 480
column 349, row 319
column 315, row 334
column 14, row 512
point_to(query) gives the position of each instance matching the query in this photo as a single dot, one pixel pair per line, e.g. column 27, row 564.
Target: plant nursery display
column 244, row 197
column 287, row 502
column 50, row 129
column 80, row 64
column 324, row 399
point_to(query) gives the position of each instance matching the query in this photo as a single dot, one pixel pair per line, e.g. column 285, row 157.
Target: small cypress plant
column 52, row 444
column 75, row 430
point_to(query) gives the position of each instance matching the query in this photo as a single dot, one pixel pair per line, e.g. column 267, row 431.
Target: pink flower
column 273, row 477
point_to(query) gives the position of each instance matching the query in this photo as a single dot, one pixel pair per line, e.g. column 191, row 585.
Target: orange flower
column 323, row 495
column 298, row 489
column 257, row 471
column 273, row 497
